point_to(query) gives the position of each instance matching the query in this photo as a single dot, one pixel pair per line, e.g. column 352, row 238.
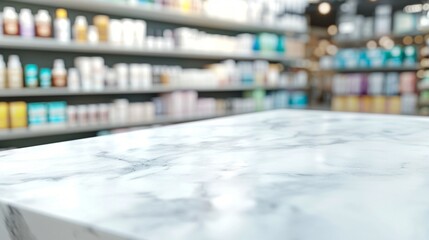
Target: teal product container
column 395, row 56
column 257, row 44
column 268, row 42
column 410, row 56
column 281, row 44
column 37, row 114
column 31, row 72
column 57, row 112
column 299, row 100
column 377, row 57
column 363, row 59
column 45, row 78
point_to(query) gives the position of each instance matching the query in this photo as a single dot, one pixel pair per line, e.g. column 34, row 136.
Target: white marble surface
column 275, row 175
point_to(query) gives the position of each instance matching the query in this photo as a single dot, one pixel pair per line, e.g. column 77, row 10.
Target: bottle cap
column 14, row 61
column 43, row 15
column 25, row 11
column 59, row 63
column 61, row 13
column 81, row 20
column 9, row 12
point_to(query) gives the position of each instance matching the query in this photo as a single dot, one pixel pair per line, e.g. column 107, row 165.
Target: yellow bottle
column 18, row 114
column 80, row 29
column 101, row 22
column 4, row 115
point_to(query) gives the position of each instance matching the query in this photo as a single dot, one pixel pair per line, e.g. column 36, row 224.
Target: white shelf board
column 161, row 15
column 53, row 45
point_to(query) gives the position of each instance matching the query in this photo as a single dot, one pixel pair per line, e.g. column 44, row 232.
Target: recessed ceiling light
column 324, row 8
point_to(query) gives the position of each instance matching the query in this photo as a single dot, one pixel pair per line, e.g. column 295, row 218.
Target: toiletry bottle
column 31, row 80
column 93, row 34
column 10, row 22
column 73, row 81
column 80, row 29
column 59, row 74
column 45, row 77
column 14, row 72
column 26, row 23
column 102, row 24
column 62, row 26
column 2, row 73
column 43, row 24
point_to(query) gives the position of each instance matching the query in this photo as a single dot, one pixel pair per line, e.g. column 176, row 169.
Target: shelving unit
column 157, row 18
column 362, row 42
column 66, row 92
column 160, row 15
column 64, row 130
column 381, row 69
column 100, row 48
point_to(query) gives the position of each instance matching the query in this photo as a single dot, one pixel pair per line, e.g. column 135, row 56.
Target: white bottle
column 80, row 29
column 14, row 72
column 10, row 22
column 115, row 32
column 43, row 24
column 2, row 73
column 73, row 80
column 127, row 32
column 62, row 26
column 26, row 23
column 93, row 34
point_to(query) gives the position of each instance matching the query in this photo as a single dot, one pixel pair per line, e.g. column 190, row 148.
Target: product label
column 11, row 28
column 43, row 30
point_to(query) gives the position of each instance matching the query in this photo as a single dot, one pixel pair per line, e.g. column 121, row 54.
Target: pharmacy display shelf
column 7, row 135
column 378, row 69
column 39, row 92
column 52, row 45
column 160, row 15
column 362, row 42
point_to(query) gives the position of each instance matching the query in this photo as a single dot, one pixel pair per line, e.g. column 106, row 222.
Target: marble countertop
column 282, row 175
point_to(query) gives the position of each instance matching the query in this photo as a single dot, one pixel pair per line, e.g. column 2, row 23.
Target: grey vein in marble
column 274, row 175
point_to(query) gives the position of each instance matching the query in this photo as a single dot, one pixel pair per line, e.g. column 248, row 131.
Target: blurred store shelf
column 54, row 46
column 362, row 42
column 161, row 15
column 381, row 69
column 7, row 135
column 39, row 92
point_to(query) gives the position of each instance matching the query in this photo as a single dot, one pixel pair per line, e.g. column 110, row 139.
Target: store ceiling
column 365, row 7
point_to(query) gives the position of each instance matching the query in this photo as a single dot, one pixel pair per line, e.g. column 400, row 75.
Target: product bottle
column 14, row 72
column 2, row 73
column 31, row 72
column 80, row 29
column 43, row 24
column 45, row 77
column 59, row 74
column 62, row 26
column 102, row 24
column 10, row 22
column 26, row 23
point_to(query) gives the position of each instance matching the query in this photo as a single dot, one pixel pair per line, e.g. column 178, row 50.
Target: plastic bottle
column 43, row 24
column 45, row 77
column 102, row 24
column 62, row 26
column 14, row 72
column 26, row 23
column 10, row 22
column 59, row 74
column 80, row 29
column 93, row 34
column 2, row 73
column 73, row 80
column 31, row 73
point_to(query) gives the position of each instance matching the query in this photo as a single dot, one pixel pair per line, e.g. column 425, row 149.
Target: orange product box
column 4, row 115
column 379, row 104
column 352, row 103
column 365, row 104
column 18, row 114
column 394, row 105
column 338, row 104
